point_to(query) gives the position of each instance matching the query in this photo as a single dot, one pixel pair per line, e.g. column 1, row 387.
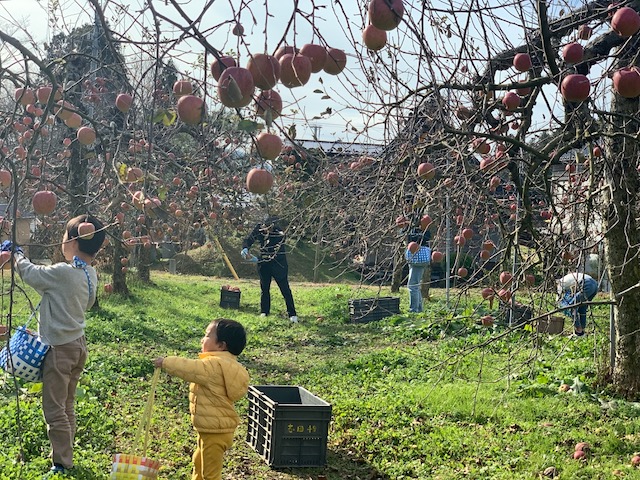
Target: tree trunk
column 144, row 263
column 397, row 277
column 119, row 278
column 426, row 283
column 622, row 242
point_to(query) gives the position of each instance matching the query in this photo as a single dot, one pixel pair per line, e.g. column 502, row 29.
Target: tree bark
column 622, row 241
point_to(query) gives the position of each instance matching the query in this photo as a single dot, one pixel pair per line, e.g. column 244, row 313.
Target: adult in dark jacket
column 272, row 264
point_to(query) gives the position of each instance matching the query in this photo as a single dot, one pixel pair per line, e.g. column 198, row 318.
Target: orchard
column 511, row 134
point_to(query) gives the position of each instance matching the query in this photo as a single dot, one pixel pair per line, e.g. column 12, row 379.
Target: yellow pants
column 209, row 454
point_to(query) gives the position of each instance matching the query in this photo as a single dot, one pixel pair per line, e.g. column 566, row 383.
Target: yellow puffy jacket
column 217, row 381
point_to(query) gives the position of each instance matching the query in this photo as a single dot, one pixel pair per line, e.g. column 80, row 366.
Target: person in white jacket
column 67, row 289
column 218, row 380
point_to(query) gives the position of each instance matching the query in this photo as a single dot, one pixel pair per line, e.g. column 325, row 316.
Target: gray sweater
column 65, row 297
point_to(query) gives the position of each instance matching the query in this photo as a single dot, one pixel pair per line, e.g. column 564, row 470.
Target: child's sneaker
column 294, row 319
column 57, row 471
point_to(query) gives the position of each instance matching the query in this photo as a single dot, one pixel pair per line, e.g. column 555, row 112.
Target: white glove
column 244, row 253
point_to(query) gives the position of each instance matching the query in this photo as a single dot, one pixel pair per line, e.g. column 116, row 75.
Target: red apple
column 511, row 101
column 74, row 121
column 265, row 70
column 575, row 87
column 386, row 14
column 436, row 256
column 86, row 230
column 269, row 101
column 530, row 280
column 635, row 460
column 579, row 455
column 44, row 202
column 426, row 171
column 190, row 109
column 44, row 93
column 573, row 53
column 584, row 32
column 317, row 54
column 5, row 260
column 285, row 50
column 463, row 272
column 374, row 38
column 467, row 233
column 459, row 240
column 505, row 278
column 268, row 145
column 259, row 180
column 487, row 293
column 108, row 288
column 182, row 87
column 5, row 178
column 597, row 151
column 487, row 320
column 236, row 87
column 626, row 82
column 522, row 62
column 86, row 135
column 295, row 70
column 413, row 247
column 220, row 64
column 625, row 22
column 134, row 174
column 484, row 254
column 123, row 102
column 25, row 96
column 425, row 222
column 582, row 447
column 336, row 61
column 504, row 295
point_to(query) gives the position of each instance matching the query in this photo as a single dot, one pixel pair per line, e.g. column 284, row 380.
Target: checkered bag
column 421, row 257
column 24, row 355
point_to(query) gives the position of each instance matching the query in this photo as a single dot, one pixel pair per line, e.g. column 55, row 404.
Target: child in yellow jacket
column 217, row 381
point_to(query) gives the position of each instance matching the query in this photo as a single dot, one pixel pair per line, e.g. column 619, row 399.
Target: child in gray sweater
column 68, row 289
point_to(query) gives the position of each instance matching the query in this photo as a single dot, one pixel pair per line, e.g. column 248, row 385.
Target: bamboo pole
column 226, row 259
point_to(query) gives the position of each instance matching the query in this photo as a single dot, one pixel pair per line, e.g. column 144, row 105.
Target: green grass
column 423, row 396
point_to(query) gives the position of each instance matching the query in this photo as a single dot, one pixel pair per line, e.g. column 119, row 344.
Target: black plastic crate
column 363, row 310
column 229, row 299
column 288, row 426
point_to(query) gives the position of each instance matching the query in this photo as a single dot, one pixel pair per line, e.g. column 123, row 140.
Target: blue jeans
column 585, row 294
column 413, row 285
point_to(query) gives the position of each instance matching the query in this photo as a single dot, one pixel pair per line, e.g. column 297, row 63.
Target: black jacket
column 271, row 241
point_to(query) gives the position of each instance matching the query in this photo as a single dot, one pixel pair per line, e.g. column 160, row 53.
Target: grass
column 422, row 396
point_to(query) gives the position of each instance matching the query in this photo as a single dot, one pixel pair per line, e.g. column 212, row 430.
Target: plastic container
column 288, row 426
column 229, row 298
column 550, row 324
column 364, row 310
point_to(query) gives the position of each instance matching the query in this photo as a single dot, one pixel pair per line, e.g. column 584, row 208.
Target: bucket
column 134, row 467
column 24, row 356
column 139, row 467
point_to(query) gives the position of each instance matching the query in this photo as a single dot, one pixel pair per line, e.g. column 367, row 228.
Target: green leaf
column 159, row 116
column 169, row 118
column 249, row 126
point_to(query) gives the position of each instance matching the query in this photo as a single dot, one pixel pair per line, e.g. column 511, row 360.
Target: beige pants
column 62, row 367
column 209, row 455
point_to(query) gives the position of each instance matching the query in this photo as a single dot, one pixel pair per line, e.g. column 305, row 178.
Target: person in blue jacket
column 272, row 264
column 418, row 262
column 573, row 290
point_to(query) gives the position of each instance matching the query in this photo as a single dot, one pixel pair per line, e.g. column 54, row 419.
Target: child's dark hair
column 91, row 245
column 232, row 333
